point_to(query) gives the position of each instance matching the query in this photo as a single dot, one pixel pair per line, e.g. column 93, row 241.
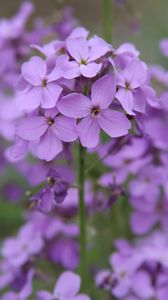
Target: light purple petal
column 34, row 70
column 10, row 296
column 80, row 297
column 74, row 105
column 125, row 97
column 142, row 285
column 49, row 146
column 90, row 70
column 51, row 94
column 89, row 131
column 31, row 99
column 44, row 295
column 27, row 289
column 139, row 101
column 103, row 91
column 142, row 223
column 78, row 49
column 114, row 123
column 135, row 73
column 65, row 129
column 17, row 151
column 31, row 128
column 98, row 48
column 67, row 286
column 71, row 70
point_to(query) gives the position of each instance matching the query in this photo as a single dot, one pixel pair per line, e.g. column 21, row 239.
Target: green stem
column 107, row 20
column 82, row 216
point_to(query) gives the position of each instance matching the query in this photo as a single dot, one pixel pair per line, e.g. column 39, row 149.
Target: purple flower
column 18, row 250
column 147, row 183
column 41, row 87
column 95, row 112
column 85, row 56
column 24, row 293
column 129, row 81
column 47, row 132
column 164, row 46
column 148, row 213
column 65, row 251
column 66, row 288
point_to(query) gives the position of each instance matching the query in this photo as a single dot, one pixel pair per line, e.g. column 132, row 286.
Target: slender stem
column 82, row 216
column 107, row 20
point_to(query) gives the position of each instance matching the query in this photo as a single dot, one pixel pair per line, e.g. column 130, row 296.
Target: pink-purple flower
column 95, row 112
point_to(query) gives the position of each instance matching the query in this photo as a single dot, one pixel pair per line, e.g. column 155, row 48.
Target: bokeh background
column 143, row 22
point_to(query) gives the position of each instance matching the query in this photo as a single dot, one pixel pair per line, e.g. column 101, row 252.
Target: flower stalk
column 82, row 215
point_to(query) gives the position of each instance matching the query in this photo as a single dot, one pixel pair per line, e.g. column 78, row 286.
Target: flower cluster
column 139, row 271
column 78, row 90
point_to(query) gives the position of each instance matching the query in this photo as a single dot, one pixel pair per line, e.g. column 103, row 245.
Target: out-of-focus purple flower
column 148, row 183
column 20, row 249
column 24, row 293
column 164, row 47
column 95, row 112
column 148, row 213
column 65, row 252
column 67, row 23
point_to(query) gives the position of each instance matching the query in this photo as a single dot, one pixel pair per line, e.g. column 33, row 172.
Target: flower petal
column 51, row 94
column 125, row 97
column 81, row 297
column 49, row 146
column 135, row 73
column 67, row 286
column 65, row 128
column 142, row 222
column 103, row 91
column 88, row 130
column 74, row 105
column 44, row 295
column 114, row 123
column 34, row 70
column 30, row 100
column 90, row 70
column 78, row 49
column 31, row 128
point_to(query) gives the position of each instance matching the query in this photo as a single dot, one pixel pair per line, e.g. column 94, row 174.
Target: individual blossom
column 47, row 133
column 148, row 182
column 131, row 91
column 95, row 112
column 147, row 214
column 85, row 55
column 39, row 87
column 53, row 193
column 24, row 293
column 18, row 250
column 67, row 288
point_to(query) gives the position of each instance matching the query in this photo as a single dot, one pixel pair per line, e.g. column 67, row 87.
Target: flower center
column 95, row 111
column 50, row 122
column 44, row 83
column 83, row 62
column 127, row 85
